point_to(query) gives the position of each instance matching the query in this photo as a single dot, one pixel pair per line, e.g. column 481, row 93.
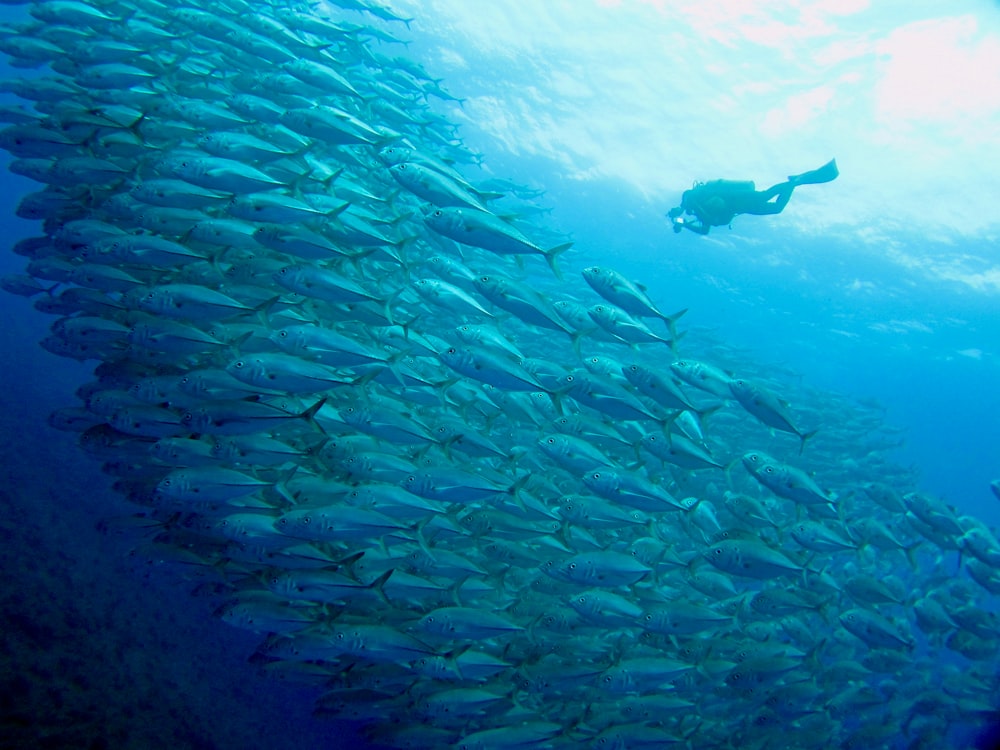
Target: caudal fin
column 803, row 437
column 552, row 253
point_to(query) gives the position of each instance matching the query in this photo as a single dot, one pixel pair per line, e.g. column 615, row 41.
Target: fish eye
column 453, row 350
column 307, row 520
column 718, row 550
column 596, row 475
column 438, row 213
column 769, row 469
column 571, row 566
column 570, row 378
column 551, row 441
column 238, row 364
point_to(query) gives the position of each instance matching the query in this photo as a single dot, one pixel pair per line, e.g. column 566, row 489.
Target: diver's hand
column 678, row 224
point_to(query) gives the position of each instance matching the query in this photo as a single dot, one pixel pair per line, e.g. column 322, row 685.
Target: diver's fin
column 827, row 173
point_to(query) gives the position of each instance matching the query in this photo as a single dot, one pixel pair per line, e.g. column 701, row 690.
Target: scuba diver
column 714, row 204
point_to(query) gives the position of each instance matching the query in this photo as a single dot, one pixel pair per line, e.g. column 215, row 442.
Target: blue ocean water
column 894, row 321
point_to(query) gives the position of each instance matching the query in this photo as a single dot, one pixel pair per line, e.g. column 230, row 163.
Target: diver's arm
column 698, row 227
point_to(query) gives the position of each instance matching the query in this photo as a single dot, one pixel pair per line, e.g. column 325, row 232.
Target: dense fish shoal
column 474, row 486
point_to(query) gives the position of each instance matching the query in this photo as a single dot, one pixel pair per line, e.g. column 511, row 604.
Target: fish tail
column 310, row 414
column 672, row 342
column 727, row 470
column 554, row 252
column 378, row 586
column 670, row 321
column 264, row 308
column 803, row 437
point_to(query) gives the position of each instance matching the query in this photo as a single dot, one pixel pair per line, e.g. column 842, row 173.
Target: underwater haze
column 359, row 393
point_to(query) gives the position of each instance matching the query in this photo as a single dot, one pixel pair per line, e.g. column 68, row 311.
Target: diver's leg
column 782, row 191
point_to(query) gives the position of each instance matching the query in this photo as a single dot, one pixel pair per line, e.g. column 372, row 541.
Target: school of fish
column 479, row 496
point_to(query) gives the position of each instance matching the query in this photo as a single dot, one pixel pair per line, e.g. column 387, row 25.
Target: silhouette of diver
column 715, row 203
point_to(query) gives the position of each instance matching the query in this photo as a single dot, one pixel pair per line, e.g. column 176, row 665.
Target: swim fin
column 827, row 173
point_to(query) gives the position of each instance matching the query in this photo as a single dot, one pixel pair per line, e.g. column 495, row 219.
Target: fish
column 703, row 375
column 623, row 326
column 767, row 407
column 751, row 559
column 435, row 187
column 786, row 481
column 602, row 568
column 875, row 630
column 630, row 297
column 483, row 229
column 466, row 623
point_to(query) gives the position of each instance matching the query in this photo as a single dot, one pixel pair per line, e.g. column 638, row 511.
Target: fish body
column 522, row 301
column 767, row 407
column 751, row 559
column 783, row 480
column 482, row 229
column 627, row 295
column 466, row 623
column 657, row 386
column 601, row 568
column 875, row 630
column 286, row 373
column 434, row 187
column 623, row 326
column 703, row 376
column 631, row 491
column 191, row 302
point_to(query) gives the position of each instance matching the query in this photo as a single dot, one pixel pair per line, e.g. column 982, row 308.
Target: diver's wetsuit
column 716, row 203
